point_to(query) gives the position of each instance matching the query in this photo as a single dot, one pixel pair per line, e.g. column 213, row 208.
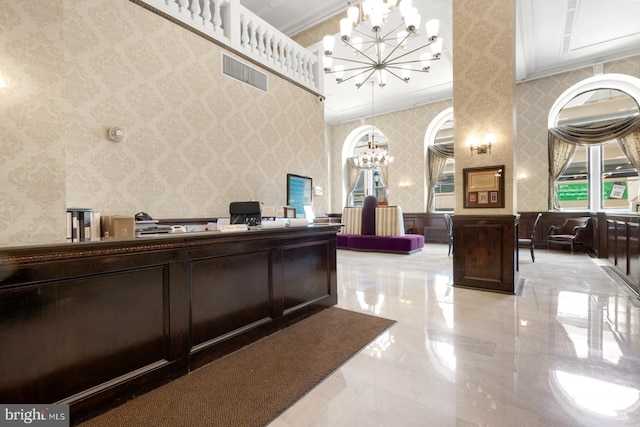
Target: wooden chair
column 449, row 223
column 570, row 233
column 529, row 241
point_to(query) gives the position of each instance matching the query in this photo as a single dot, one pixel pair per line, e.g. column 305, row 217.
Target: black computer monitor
column 245, row 213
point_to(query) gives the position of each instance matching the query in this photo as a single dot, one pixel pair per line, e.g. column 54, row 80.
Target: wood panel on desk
column 94, row 323
column 486, row 253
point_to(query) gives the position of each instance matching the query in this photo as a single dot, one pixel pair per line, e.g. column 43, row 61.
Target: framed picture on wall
column 484, row 187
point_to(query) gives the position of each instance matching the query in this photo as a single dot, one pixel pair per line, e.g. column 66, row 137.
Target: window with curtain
column 596, row 125
column 369, row 181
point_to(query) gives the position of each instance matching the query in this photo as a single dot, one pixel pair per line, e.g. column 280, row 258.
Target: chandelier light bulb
column 425, row 59
column 406, row 72
column 376, row 19
column 432, row 27
column 328, row 42
column 366, row 7
column 339, row 73
column 405, row 5
column 353, row 13
column 327, row 61
column 436, row 48
column 412, row 20
column 345, row 29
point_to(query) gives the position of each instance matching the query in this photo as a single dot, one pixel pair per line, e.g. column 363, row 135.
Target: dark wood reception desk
column 92, row 324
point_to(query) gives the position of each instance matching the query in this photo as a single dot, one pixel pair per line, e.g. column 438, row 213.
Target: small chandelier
column 369, row 48
column 373, row 156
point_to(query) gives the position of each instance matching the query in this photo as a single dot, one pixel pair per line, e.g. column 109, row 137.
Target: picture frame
column 484, row 187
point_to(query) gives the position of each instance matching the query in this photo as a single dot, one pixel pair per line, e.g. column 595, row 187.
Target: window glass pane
column 444, row 191
column 358, row 190
column 573, row 184
column 619, row 178
column 444, row 197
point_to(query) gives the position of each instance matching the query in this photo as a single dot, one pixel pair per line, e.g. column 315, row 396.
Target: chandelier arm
column 357, row 74
column 412, row 51
column 373, row 61
column 394, row 74
column 368, row 64
column 396, row 47
column 386, row 36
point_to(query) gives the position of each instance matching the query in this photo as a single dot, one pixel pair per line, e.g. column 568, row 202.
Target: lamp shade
column 432, row 27
column 328, row 42
column 345, row 28
column 353, row 13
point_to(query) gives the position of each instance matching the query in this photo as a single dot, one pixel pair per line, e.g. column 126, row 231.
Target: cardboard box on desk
column 118, row 226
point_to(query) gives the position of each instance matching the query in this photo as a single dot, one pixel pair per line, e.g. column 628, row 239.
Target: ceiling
column 552, row 36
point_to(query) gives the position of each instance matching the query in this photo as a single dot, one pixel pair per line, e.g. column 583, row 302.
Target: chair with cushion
column 449, row 224
column 528, row 242
column 571, row 233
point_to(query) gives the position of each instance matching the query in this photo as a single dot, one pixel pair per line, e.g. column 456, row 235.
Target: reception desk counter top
column 92, row 323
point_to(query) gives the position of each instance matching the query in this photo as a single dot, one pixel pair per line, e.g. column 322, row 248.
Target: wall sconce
column 404, row 185
column 483, row 148
column 522, row 176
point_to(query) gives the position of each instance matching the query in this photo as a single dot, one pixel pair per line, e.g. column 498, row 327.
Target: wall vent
column 240, row 71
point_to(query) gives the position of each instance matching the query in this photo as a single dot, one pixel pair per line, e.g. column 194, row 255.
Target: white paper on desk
column 273, row 224
column 298, row 222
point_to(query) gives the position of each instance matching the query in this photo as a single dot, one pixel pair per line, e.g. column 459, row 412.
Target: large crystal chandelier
column 373, row 156
column 378, row 53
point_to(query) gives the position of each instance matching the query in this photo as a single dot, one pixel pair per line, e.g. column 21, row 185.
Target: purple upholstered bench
column 379, row 230
column 407, row 244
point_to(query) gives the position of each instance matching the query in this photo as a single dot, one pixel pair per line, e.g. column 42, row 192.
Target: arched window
column 594, row 141
column 440, row 163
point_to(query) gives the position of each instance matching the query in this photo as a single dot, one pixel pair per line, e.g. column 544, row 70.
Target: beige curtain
column 437, row 156
column 436, row 164
column 630, row 145
column 562, row 137
column 384, row 172
column 353, row 180
column 560, row 154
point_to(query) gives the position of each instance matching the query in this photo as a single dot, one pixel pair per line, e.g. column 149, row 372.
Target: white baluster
column 303, row 69
column 244, row 32
column 183, row 5
column 296, row 63
column 277, row 53
column 217, row 18
column 195, row 9
column 287, row 58
column 267, row 45
column 206, row 14
column 259, row 36
column 253, row 35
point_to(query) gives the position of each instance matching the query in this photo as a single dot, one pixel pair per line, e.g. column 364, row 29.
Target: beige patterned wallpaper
column 32, row 150
column 196, row 139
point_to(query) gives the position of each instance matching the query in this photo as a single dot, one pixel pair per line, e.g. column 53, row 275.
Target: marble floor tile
column 566, row 352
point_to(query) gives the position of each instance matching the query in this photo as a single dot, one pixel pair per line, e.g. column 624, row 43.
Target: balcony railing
column 231, row 24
